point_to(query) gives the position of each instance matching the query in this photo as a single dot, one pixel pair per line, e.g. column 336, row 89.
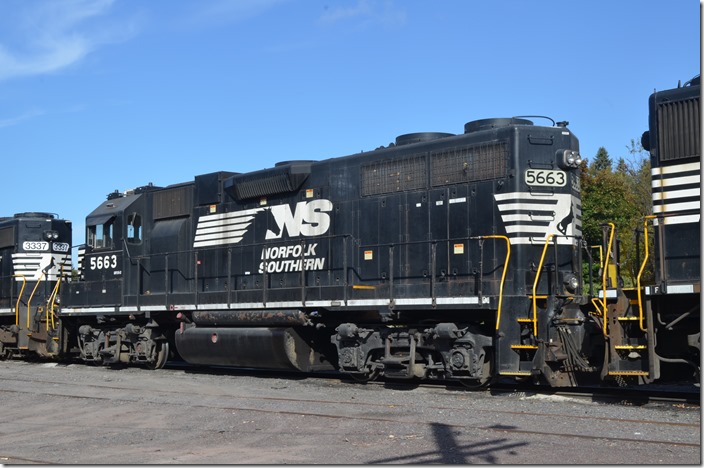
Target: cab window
column 101, row 235
column 134, row 229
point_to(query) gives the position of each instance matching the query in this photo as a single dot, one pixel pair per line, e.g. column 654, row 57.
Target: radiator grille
column 470, row 163
column 284, row 178
column 678, row 129
column 396, row 175
column 262, row 185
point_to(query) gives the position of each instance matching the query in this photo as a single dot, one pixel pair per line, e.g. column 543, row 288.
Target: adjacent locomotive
column 441, row 256
column 674, row 300
column 35, row 253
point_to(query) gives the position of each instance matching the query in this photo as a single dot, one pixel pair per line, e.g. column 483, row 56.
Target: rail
column 31, row 296
column 51, row 303
column 535, row 283
column 601, row 307
column 503, row 273
column 642, row 269
column 19, row 298
column 345, row 246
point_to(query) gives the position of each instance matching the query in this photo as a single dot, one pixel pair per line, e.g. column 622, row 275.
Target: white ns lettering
column 307, row 219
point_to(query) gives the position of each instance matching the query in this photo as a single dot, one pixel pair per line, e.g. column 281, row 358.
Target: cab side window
column 134, row 229
column 100, row 236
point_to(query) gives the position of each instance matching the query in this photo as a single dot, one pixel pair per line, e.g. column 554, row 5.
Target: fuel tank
column 263, row 348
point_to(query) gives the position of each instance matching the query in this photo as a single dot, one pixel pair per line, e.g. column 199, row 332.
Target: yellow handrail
column 642, row 268
column 503, row 274
column 601, row 254
column 607, row 257
column 19, row 298
column 52, row 300
column 29, row 301
column 601, row 265
column 535, row 285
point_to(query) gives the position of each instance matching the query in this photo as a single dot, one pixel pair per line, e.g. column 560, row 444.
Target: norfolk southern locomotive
column 441, row 256
column 674, row 301
column 35, row 252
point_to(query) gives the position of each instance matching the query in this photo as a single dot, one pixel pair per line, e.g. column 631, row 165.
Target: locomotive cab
column 110, row 318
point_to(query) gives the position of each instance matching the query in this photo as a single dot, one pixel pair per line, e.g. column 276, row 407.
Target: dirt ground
column 75, row 414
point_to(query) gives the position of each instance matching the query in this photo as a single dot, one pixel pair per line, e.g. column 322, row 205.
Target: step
column 630, row 373
column 629, row 347
column 625, row 319
column 517, row 374
column 524, row 346
column 524, row 320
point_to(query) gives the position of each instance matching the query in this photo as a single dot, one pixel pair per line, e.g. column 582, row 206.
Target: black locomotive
column 441, row 256
column 673, row 302
column 35, row 252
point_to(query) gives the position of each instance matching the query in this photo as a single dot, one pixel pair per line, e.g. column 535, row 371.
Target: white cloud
column 215, row 13
column 52, row 35
column 333, row 15
column 9, row 122
column 366, row 12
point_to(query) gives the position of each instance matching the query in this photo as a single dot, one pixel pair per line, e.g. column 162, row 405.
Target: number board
column 38, row 246
column 546, row 178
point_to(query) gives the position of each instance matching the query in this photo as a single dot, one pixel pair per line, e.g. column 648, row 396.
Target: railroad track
column 675, row 393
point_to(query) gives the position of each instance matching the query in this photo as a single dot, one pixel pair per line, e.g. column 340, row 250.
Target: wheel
column 486, row 375
column 475, row 384
column 161, row 355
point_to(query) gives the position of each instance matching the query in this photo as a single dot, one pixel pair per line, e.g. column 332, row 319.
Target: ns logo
column 305, row 219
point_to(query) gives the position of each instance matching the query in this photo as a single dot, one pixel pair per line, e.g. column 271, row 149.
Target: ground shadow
column 449, row 451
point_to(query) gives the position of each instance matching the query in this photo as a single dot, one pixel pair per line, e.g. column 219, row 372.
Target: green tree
column 621, row 197
column 602, row 161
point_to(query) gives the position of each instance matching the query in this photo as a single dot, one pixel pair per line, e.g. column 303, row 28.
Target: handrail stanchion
column 19, row 298
column 535, row 284
column 640, row 272
column 503, row 273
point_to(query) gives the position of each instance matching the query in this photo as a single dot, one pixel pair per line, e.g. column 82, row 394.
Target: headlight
column 568, row 159
column 51, row 235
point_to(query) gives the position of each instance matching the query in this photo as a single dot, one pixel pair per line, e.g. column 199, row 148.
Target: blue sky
column 99, row 95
